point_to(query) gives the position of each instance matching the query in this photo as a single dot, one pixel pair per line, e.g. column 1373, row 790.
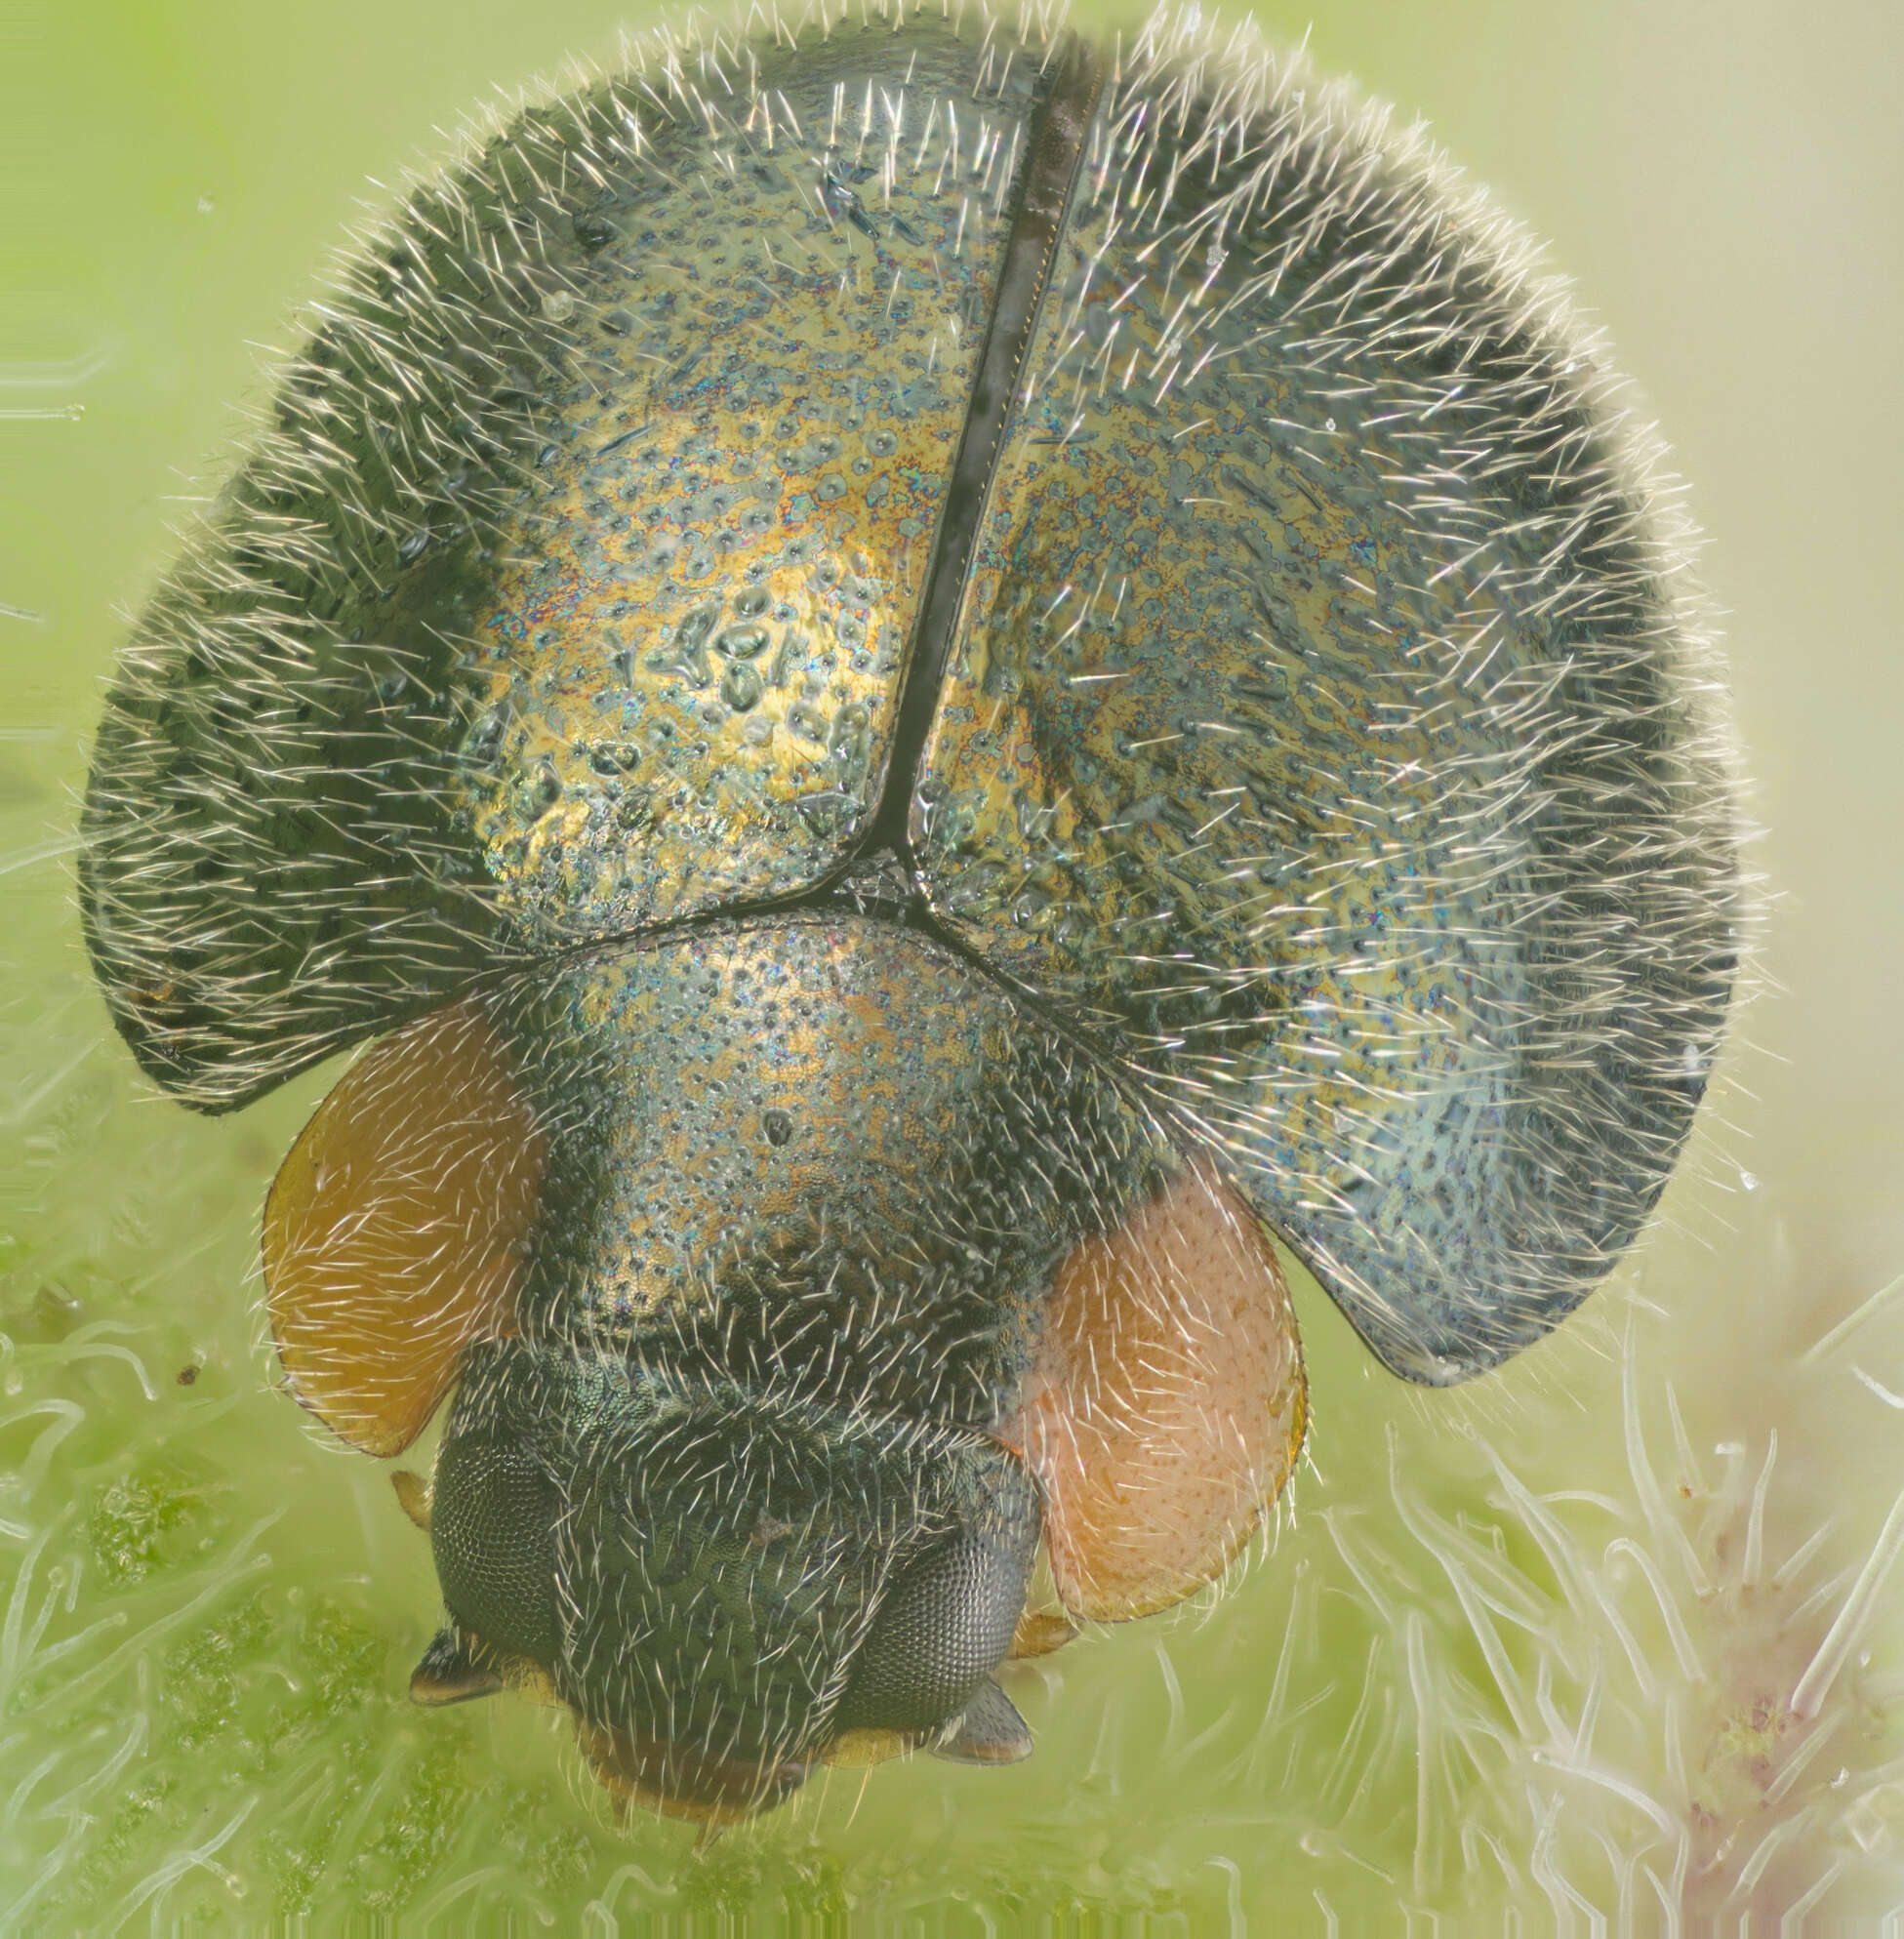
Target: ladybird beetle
column 915, row 679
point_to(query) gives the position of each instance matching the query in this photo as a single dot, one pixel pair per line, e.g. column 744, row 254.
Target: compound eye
column 492, row 1532
column 943, row 1626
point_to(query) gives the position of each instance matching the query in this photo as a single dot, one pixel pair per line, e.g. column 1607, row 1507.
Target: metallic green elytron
column 921, row 679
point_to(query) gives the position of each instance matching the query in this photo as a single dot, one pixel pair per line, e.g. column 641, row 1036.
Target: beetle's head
column 726, row 1589
column 790, row 1285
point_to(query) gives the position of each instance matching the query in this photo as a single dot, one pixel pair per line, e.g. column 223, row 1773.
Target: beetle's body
column 934, row 678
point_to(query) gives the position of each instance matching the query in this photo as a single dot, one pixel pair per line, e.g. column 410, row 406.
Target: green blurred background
column 1506, row 1660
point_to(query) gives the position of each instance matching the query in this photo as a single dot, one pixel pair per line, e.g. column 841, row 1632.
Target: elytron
column 923, row 685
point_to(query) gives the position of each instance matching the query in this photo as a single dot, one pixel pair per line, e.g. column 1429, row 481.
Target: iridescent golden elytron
column 922, row 681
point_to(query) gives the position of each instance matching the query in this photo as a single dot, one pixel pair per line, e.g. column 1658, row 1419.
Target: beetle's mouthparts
column 681, row 1781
